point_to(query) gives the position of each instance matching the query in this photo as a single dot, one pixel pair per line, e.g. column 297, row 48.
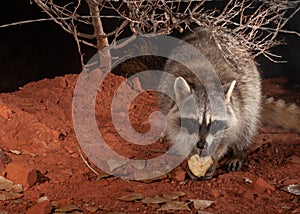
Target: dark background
column 34, row 51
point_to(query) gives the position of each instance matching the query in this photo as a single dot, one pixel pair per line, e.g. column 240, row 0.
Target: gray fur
column 242, row 112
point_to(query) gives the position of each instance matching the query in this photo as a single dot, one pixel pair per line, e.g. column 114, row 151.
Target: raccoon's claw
column 237, row 160
column 234, row 164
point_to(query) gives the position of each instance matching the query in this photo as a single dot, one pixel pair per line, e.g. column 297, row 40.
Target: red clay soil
column 37, row 121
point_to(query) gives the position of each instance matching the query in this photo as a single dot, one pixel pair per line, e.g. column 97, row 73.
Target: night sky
column 34, row 51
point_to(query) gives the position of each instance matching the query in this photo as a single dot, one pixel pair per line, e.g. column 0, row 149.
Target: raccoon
column 241, row 83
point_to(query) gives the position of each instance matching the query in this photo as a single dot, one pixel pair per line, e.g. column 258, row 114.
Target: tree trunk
column 102, row 42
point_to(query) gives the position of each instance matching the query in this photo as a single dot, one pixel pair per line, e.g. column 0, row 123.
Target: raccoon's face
column 196, row 118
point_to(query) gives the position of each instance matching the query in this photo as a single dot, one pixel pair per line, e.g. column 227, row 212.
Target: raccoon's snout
column 201, row 144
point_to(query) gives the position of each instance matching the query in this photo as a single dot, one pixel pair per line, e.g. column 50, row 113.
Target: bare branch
column 31, row 21
column 255, row 23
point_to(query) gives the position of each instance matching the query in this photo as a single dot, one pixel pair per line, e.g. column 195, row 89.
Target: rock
column 297, row 210
column 215, row 193
column 21, row 174
column 294, row 159
column 111, row 137
column 179, row 174
column 122, row 114
column 261, row 183
column 2, row 169
column 40, row 208
column 5, row 112
column 69, row 149
column 4, row 158
column 248, row 195
column 292, row 188
column 74, row 155
column 292, row 181
column 137, row 84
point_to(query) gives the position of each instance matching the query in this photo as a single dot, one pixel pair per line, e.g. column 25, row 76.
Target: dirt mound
column 38, row 140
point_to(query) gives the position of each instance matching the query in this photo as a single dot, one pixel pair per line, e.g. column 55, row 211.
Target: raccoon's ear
column 229, row 92
column 181, row 89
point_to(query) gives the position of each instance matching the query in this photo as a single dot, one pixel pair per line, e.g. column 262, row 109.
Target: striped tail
column 279, row 113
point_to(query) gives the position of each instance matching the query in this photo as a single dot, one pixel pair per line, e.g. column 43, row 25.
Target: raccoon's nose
column 201, row 144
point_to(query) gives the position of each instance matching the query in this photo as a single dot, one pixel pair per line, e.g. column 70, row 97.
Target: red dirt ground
column 37, row 121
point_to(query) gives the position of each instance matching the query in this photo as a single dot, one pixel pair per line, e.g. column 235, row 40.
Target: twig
column 86, row 163
column 76, row 36
column 255, row 23
column 33, row 21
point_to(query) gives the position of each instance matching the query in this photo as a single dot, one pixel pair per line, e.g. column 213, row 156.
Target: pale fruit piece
column 199, row 165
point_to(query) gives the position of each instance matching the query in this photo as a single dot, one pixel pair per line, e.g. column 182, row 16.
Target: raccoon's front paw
column 235, row 164
column 237, row 160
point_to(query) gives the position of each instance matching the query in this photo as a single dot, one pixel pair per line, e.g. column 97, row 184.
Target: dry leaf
column 159, row 178
column 9, row 195
column 116, row 213
column 42, row 199
column 114, row 164
column 203, row 212
column 175, row 205
column 155, row 200
column 173, row 195
column 9, row 186
column 201, row 204
column 138, row 164
column 69, row 208
column 131, row 197
column 92, row 209
column 102, row 175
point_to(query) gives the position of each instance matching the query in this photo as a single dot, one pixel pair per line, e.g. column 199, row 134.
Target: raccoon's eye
column 191, row 125
column 217, row 125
